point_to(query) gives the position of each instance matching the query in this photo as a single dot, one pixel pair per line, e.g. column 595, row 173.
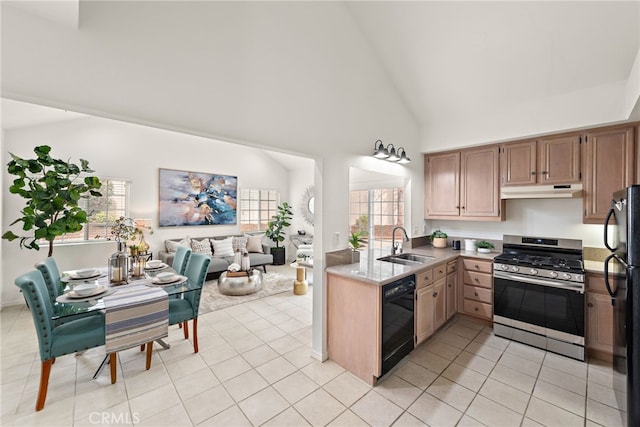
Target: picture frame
column 188, row 198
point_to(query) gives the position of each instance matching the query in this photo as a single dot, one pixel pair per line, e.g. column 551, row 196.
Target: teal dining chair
column 54, row 341
column 51, row 275
column 181, row 310
column 181, row 259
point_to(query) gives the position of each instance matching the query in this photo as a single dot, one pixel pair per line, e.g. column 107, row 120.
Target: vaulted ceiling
column 484, row 64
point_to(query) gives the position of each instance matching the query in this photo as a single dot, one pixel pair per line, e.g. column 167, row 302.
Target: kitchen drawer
column 452, row 266
column 474, row 264
column 478, row 279
column 439, row 271
column 478, row 294
column 424, row 278
column 476, row 308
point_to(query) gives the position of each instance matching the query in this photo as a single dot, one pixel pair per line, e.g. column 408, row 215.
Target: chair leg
column 185, row 328
column 45, row 371
column 53, row 360
column 180, row 325
column 149, row 354
column 113, row 364
column 264, row 267
column 142, row 347
column 195, row 334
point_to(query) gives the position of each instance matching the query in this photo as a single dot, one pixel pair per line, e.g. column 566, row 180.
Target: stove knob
column 533, row 271
column 553, row 274
column 504, row 267
column 515, row 268
column 566, row 276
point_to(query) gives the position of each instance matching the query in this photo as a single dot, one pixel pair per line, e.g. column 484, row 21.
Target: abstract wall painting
column 196, row 198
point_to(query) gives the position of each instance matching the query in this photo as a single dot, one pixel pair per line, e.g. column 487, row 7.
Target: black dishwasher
column 397, row 321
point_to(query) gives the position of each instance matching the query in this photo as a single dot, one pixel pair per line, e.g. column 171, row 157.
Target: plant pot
column 439, row 242
column 484, row 250
column 278, row 255
column 355, row 257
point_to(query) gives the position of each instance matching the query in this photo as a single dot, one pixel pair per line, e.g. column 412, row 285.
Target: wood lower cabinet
column 354, row 326
column 431, row 301
column 464, row 185
column 599, row 318
column 609, row 166
column 424, row 327
column 477, row 292
column 452, row 288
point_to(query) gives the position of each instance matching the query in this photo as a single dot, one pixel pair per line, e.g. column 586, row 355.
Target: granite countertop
column 375, row 272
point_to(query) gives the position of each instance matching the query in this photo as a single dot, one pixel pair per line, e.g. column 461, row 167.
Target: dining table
column 70, row 304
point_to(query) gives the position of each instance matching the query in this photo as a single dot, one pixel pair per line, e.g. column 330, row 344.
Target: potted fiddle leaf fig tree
column 276, row 231
column 52, row 189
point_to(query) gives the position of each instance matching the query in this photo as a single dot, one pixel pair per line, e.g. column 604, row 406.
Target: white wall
column 121, row 150
column 533, row 217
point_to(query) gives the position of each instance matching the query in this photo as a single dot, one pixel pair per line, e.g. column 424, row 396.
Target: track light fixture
column 389, row 153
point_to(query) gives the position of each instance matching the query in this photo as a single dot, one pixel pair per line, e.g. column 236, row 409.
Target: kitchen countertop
column 375, row 272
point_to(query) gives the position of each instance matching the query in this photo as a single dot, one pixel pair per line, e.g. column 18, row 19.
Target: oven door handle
column 578, row 287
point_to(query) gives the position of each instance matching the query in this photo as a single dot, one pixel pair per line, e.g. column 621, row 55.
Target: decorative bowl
column 165, row 277
column 154, row 263
column 85, row 272
column 85, row 289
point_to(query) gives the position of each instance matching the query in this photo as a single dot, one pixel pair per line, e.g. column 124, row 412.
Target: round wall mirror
column 307, row 206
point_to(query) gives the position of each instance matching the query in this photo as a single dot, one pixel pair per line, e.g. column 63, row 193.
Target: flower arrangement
column 125, row 229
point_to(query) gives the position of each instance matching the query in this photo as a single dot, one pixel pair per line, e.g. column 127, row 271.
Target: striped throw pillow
column 222, row 248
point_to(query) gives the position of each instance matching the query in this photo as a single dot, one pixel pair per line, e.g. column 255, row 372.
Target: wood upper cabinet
column 609, row 166
column 559, row 160
column 442, row 184
column 551, row 160
column 480, row 182
column 464, row 185
column 518, row 163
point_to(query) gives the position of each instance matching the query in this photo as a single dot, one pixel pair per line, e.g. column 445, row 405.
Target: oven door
column 538, row 305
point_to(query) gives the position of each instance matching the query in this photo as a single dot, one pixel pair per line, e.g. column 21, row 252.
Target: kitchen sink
column 407, row 259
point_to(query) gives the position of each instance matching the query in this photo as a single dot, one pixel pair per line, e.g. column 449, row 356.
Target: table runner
column 134, row 315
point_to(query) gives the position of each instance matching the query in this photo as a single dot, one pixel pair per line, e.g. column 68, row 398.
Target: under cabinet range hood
column 542, row 192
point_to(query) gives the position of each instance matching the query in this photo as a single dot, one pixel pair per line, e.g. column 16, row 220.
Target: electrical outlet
column 336, row 238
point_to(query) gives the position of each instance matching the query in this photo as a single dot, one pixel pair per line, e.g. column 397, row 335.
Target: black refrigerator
column 622, row 277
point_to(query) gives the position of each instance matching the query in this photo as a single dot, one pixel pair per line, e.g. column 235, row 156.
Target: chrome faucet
column 393, row 239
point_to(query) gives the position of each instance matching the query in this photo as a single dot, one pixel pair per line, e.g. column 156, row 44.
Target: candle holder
column 119, row 266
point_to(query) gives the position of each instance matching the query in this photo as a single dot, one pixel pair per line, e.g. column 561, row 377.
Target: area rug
column 272, row 283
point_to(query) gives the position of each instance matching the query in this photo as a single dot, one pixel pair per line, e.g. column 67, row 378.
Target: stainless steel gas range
column 538, row 293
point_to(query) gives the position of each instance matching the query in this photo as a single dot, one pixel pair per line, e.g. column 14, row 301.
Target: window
column 377, row 212
column 102, row 211
column 257, row 207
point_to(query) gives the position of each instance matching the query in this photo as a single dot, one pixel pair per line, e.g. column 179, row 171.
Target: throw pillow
column 239, row 243
column 254, row 244
column 201, row 247
column 222, row 248
column 172, row 246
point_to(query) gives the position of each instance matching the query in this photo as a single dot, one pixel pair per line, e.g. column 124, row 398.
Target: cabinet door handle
column 435, row 294
column 477, row 267
column 476, row 280
column 475, row 293
column 476, row 308
column 544, row 172
column 440, row 271
column 533, row 172
column 449, row 285
column 589, row 304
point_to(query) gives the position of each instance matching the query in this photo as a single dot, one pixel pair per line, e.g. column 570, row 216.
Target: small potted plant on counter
column 439, row 239
column 484, row 247
column 356, row 240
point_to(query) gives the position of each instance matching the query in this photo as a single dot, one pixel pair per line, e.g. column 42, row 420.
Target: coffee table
column 243, row 285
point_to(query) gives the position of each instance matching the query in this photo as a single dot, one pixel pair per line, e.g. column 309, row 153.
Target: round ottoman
column 243, row 285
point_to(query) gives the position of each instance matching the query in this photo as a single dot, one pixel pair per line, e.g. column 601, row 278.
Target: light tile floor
column 254, row 368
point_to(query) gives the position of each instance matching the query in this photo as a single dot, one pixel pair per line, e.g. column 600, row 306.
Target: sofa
column 259, row 253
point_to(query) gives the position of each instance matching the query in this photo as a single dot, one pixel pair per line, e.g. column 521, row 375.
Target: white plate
column 163, row 265
column 74, row 278
column 99, row 290
column 85, row 273
column 177, row 278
